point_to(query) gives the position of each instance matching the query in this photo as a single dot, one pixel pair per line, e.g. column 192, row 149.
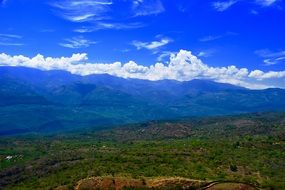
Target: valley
column 142, row 95
column 246, row 149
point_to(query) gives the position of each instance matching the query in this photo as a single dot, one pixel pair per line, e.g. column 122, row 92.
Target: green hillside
column 244, row 148
column 45, row 102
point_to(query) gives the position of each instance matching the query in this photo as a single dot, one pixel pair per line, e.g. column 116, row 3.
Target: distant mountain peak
column 38, row 98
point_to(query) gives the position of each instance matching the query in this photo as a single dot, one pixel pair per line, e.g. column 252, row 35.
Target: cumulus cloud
column 182, row 66
column 260, row 75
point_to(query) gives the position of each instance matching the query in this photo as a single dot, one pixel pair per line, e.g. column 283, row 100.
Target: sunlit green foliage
column 48, row 162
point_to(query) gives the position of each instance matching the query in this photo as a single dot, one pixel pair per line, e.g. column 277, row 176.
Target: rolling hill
column 35, row 101
column 218, row 152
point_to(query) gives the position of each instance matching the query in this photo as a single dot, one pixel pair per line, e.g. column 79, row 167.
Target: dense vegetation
column 246, row 148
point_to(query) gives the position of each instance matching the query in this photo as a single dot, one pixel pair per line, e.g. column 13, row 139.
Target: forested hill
column 35, row 101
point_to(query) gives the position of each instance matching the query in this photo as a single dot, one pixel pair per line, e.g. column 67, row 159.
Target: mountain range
column 36, row 101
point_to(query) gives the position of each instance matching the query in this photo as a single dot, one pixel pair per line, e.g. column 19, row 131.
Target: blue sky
column 242, row 33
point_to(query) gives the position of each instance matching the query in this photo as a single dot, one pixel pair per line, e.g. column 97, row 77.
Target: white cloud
column 270, row 57
column 147, row 7
column 108, row 25
column 82, row 10
column 254, row 12
column 80, row 18
column 10, row 36
column 266, row 3
column 267, row 53
column 151, row 45
column 206, row 53
column 3, row 2
column 216, row 37
column 10, row 44
column 273, row 61
column 164, row 55
column 102, row 14
column 183, row 66
column 112, row 25
column 210, row 38
column 223, row 5
column 10, row 40
column 77, row 42
column 260, row 75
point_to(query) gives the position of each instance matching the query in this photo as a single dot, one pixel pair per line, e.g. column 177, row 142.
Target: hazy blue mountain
column 32, row 100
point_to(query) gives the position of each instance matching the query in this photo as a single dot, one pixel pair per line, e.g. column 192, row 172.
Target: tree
column 233, row 168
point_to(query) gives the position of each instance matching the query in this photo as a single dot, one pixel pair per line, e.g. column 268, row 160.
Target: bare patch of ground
column 120, row 183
